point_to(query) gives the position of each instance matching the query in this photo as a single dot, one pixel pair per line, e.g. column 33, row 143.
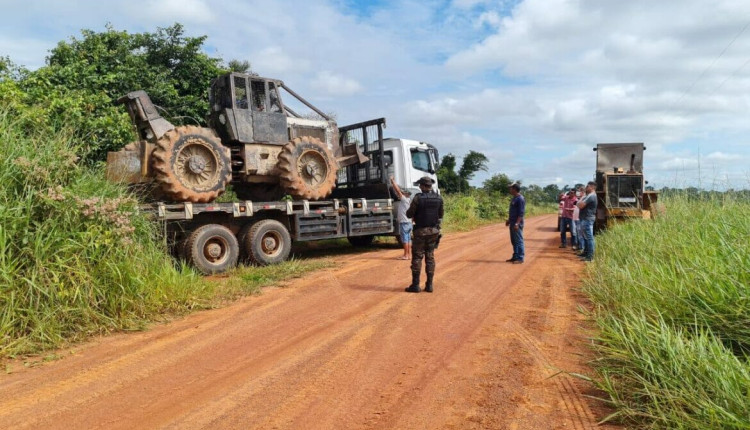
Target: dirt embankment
column 344, row 348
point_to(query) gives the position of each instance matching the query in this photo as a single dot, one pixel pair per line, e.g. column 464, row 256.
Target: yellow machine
column 620, row 185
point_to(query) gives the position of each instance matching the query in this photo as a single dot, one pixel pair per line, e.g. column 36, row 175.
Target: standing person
column 587, row 205
column 516, row 212
column 576, row 220
column 426, row 210
column 569, row 202
column 404, row 223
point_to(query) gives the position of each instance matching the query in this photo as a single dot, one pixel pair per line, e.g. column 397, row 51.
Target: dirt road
column 344, row 348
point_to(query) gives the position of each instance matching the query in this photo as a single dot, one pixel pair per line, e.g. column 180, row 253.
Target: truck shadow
column 334, row 247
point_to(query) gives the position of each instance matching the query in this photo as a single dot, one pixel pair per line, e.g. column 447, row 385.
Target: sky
column 532, row 84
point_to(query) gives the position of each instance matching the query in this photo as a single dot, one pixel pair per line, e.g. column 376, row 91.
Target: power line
column 731, row 76
column 721, row 54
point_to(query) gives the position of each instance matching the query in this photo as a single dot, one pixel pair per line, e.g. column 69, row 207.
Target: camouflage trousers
column 423, row 247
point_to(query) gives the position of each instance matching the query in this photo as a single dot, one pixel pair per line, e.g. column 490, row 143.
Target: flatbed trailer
column 214, row 236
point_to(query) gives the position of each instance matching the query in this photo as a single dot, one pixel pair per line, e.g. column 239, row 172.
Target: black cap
column 425, row 180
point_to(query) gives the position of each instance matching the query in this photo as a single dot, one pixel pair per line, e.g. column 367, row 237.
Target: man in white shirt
column 405, row 224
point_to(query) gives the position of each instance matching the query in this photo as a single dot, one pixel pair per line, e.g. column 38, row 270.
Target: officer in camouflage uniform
column 426, row 210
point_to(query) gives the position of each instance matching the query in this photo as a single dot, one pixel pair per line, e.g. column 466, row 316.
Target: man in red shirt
column 568, row 202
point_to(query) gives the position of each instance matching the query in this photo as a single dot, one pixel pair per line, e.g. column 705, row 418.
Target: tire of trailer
column 212, row 249
column 266, row 242
column 361, row 241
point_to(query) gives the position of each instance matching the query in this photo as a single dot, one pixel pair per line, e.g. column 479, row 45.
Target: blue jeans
column 587, row 228
column 577, row 231
column 516, row 239
column 405, row 231
column 566, row 226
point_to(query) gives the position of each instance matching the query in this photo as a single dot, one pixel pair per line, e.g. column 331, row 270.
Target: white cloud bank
column 534, row 84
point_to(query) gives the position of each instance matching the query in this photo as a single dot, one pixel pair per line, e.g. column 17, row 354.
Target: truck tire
column 191, row 165
column 266, row 242
column 361, row 241
column 212, row 249
column 307, row 168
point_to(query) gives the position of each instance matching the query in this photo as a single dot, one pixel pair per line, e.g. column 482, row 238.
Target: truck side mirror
column 387, row 160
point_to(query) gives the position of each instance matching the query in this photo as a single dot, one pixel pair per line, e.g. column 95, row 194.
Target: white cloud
column 274, row 61
column 184, row 11
column 490, row 18
column 336, row 84
column 722, row 156
column 534, row 84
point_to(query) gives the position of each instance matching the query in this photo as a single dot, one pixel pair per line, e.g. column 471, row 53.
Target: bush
column 75, row 256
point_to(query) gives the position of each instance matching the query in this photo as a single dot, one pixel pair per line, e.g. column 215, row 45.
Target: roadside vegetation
column 75, row 257
column 467, row 211
column 78, row 259
column 671, row 300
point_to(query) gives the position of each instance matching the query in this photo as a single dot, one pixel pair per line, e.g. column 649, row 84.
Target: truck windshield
column 420, row 160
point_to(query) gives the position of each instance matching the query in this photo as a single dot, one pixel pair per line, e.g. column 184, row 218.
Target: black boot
column 414, row 287
column 428, row 285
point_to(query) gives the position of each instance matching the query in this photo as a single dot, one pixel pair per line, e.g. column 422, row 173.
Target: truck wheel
column 212, row 249
column 307, row 168
column 191, row 165
column 266, row 242
column 361, row 241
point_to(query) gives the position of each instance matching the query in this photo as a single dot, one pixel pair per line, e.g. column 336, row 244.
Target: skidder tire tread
column 307, row 168
column 191, row 165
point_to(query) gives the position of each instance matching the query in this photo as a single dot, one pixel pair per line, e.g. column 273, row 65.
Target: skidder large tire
column 191, row 165
column 266, row 242
column 212, row 249
column 307, row 168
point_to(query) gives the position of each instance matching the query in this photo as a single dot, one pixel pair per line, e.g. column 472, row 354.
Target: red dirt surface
column 345, row 348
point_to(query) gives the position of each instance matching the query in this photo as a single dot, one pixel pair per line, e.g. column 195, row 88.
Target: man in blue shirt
column 587, row 215
column 516, row 213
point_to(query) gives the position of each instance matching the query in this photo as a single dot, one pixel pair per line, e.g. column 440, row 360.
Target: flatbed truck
column 214, row 237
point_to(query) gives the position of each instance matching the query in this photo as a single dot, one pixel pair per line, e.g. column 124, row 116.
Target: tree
column 452, row 182
column 240, row 66
column 535, row 194
column 472, row 163
column 448, row 179
column 84, row 76
column 498, row 183
column 552, row 192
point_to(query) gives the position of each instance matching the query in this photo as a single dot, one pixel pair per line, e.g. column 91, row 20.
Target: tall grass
column 75, row 257
column 672, row 303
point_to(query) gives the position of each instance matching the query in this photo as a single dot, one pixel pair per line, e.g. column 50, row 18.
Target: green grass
column 247, row 280
column 76, row 257
column 465, row 212
column 672, row 304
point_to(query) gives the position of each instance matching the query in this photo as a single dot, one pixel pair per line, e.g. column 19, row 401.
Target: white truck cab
column 408, row 160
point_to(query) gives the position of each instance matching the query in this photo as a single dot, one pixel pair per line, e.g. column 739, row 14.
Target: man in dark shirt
column 516, row 212
column 426, row 210
column 587, row 215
